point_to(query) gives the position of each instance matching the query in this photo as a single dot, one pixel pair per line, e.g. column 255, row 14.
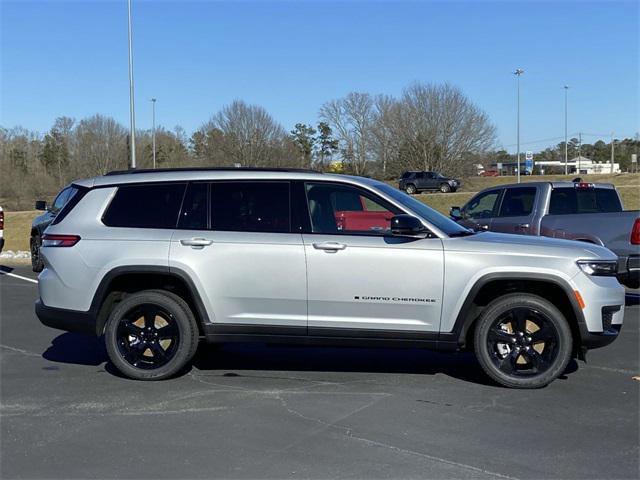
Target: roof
column 553, row 185
column 195, row 174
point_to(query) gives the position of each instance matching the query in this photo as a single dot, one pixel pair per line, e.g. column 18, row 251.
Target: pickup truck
column 588, row 212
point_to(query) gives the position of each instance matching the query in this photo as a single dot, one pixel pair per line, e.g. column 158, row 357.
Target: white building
column 582, row 165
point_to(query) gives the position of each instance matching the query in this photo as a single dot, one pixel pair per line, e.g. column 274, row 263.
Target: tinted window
column 445, row 224
column 72, row 196
column 518, row 202
column 62, row 199
column 145, row 206
column 482, row 206
column 194, row 214
column 250, row 207
column 336, row 209
column 570, row 200
column 406, row 174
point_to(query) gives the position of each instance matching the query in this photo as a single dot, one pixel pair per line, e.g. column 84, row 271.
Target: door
column 361, row 280
column 516, row 211
column 235, row 241
column 479, row 212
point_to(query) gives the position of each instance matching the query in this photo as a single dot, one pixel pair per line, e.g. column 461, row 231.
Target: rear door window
column 195, row 208
column 250, row 207
column 518, row 202
column 145, row 206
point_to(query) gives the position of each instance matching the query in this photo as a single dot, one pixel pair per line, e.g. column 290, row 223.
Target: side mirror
column 455, row 213
column 41, row 205
column 407, row 226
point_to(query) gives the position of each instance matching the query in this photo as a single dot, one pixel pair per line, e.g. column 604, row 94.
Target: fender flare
column 464, row 320
column 100, row 294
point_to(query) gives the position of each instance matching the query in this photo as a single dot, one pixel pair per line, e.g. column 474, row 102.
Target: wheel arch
column 493, row 285
column 120, row 281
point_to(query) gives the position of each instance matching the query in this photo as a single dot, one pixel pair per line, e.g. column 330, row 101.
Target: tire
column 135, row 332
column 505, row 341
column 411, row 189
column 445, row 188
column 37, row 265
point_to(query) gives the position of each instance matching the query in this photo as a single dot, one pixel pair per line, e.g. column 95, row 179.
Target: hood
column 510, row 244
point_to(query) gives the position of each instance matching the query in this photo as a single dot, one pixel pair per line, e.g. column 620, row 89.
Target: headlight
column 599, row 268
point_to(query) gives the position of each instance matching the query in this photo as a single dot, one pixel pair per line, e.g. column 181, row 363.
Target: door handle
column 195, row 242
column 484, row 227
column 524, row 226
column 329, row 246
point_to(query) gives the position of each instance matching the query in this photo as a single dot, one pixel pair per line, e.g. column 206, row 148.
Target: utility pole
column 132, row 115
column 612, row 153
column 153, row 129
column 579, row 151
column 517, row 73
column 566, row 147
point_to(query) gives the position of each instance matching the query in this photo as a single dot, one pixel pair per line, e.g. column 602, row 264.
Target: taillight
column 584, row 185
column 52, row 240
column 635, row 232
column 1, row 220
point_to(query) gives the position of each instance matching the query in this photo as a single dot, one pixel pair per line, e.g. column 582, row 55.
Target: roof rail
column 211, row 169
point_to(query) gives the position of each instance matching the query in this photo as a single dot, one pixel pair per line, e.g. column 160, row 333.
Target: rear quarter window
column 145, row 206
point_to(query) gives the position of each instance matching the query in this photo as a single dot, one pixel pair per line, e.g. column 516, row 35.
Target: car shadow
column 76, row 348
column 234, row 358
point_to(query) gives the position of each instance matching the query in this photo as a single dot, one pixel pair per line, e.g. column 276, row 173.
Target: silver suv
column 157, row 260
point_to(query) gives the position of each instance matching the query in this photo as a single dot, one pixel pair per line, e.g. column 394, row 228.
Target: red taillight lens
column 51, row 240
column 584, row 185
column 635, row 232
column 1, row 220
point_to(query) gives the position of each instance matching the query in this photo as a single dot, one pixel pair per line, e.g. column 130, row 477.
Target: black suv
column 416, row 182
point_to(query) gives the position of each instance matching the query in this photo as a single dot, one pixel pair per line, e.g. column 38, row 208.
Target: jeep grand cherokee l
column 157, row 260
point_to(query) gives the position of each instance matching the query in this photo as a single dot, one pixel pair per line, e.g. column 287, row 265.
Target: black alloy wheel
column 522, row 341
column 151, row 335
column 148, row 336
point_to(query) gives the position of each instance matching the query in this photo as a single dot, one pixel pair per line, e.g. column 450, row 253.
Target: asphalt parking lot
column 255, row 411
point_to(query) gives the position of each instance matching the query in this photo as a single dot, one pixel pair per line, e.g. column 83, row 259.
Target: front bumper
column 68, row 320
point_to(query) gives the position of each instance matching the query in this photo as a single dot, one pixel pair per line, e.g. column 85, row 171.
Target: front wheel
column 151, row 335
column 522, row 341
column 411, row 189
column 445, row 188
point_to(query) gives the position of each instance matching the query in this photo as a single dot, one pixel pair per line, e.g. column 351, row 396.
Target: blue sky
column 70, row 58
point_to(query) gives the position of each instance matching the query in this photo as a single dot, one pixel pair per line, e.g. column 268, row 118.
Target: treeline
column 599, row 151
column 431, row 127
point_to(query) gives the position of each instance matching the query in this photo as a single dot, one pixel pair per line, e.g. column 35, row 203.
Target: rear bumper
column 68, row 320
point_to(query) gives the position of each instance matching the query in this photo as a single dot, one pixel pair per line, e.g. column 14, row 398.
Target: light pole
column 517, row 73
column 153, row 131
column 132, row 115
column 566, row 150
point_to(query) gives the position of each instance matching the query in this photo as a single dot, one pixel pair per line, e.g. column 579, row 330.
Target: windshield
column 446, row 225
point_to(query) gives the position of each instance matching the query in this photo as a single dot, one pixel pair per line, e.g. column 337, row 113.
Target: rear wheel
column 445, row 188
column 151, row 335
column 37, row 265
column 411, row 189
column 523, row 341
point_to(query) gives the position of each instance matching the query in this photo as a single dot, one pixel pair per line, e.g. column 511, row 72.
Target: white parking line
column 27, row 279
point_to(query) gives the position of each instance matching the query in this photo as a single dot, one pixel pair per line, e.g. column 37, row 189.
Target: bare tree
column 352, row 118
column 440, row 126
column 246, row 133
column 101, row 146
